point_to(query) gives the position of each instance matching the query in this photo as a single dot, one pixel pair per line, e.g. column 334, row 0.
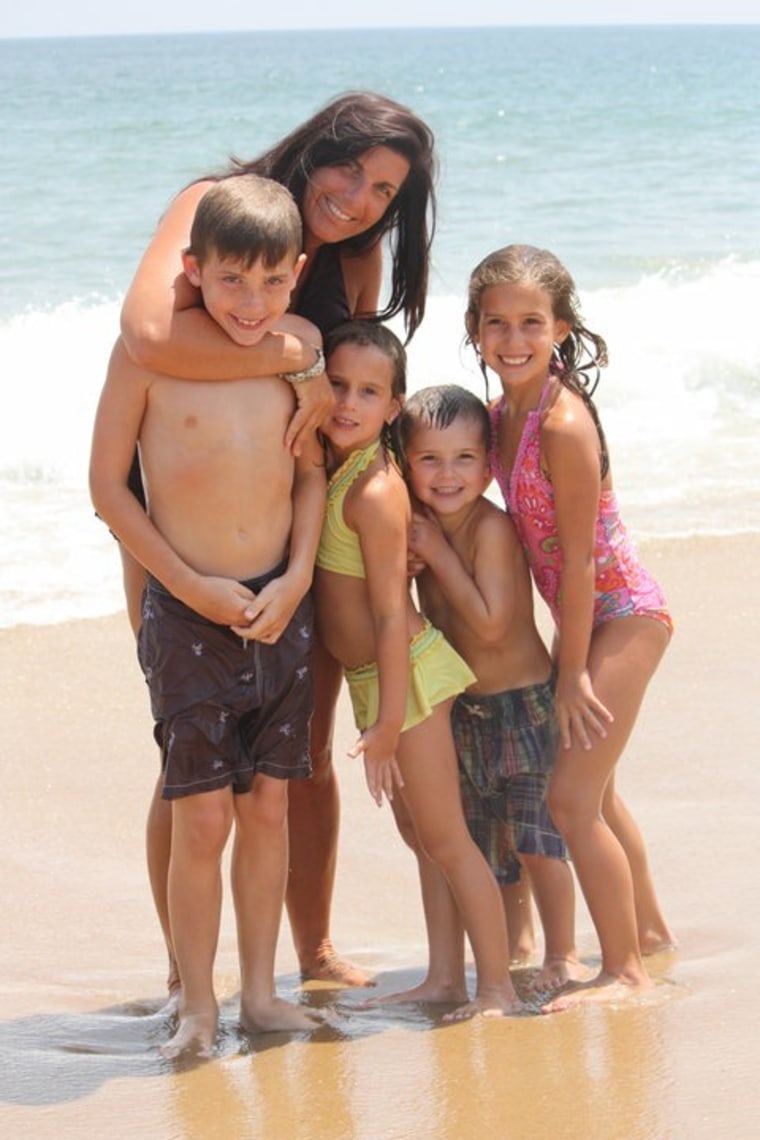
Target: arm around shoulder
column 165, row 327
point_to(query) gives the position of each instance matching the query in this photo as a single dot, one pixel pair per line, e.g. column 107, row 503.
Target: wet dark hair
column 371, row 334
column 438, row 407
column 582, row 353
column 245, row 218
column 344, row 129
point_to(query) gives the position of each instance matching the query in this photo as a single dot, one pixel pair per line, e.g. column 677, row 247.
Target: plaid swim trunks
column 507, row 745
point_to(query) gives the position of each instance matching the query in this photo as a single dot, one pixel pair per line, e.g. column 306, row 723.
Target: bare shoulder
column 123, row 370
column 493, row 528
column 379, row 493
column 567, row 420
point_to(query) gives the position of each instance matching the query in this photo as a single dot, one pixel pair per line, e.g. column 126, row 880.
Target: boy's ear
column 298, row 265
column 191, row 268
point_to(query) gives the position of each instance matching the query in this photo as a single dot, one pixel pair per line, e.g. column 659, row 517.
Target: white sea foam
column 680, row 403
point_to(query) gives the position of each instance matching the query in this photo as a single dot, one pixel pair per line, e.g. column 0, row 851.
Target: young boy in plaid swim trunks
column 474, row 585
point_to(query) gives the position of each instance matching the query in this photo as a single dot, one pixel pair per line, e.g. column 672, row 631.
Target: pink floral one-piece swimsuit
column 622, row 585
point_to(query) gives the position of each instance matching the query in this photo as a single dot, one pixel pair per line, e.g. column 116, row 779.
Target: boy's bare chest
column 219, row 414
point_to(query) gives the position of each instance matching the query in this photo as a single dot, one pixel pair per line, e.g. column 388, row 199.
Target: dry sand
column 82, row 964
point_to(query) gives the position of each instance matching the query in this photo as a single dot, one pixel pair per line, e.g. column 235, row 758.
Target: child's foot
column 436, row 993
column 276, row 1015
column 605, row 988
column 520, row 960
column 171, row 1006
column 328, row 966
column 555, row 974
column 656, row 941
column 194, row 1037
column 494, row 1003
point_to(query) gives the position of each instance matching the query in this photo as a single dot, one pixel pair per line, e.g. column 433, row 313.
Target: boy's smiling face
column 244, row 300
column 448, row 468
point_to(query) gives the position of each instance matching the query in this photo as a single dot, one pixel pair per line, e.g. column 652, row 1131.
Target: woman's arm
column 570, row 444
column 166, row 329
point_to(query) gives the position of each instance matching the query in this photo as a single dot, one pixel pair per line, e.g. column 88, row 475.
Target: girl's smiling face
column 362, row 381
column 516, row 333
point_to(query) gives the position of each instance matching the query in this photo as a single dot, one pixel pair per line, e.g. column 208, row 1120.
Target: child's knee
column 561, row 804
column 404, row 825
column 202, row 823
column 266, row 805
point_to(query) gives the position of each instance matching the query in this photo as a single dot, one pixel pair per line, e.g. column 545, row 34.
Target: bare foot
column 656, row 941
column 194, row 1037
column 328, row 966
column 502, row 1002
column 173, row 983
column 437, row 993
column 170, row 1008
column 555, row 974
column 605, row 988
column 520, row 961
column 276, row 1015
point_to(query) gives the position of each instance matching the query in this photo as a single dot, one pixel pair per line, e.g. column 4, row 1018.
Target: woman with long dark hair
column 361, row 169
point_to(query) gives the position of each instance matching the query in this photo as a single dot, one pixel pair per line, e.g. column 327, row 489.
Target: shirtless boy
column 228, row 540
column 475, row 587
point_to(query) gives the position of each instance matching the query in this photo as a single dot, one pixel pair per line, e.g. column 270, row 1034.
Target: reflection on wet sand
column 81, row 968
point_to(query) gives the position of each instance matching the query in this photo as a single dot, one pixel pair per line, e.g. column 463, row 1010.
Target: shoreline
column 82, row 964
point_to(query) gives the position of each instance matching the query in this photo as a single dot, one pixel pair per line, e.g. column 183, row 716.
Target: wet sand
column 81, row 960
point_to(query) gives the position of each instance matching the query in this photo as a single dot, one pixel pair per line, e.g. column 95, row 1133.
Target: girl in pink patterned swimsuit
column 612, row 624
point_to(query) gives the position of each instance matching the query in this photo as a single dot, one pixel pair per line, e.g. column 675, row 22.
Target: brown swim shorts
column 225, row 709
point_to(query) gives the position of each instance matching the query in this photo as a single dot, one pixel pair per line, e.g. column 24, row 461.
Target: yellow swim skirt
column 437, row 673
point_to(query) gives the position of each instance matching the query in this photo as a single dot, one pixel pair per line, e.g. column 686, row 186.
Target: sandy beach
column 82, row 967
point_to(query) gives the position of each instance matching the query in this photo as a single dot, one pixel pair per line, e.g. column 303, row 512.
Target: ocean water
column 633, row 153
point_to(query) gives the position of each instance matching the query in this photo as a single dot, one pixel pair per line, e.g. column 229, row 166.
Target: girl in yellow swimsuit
column 401, row 672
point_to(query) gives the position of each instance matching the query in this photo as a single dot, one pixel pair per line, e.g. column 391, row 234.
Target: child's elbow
column 492, row 634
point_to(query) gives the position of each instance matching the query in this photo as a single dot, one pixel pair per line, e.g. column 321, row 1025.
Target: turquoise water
column 632, row 152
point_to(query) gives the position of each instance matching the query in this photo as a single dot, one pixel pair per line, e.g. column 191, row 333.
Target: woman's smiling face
column 347, row 199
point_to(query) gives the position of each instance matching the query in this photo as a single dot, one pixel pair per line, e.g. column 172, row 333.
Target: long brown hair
column 345, row 128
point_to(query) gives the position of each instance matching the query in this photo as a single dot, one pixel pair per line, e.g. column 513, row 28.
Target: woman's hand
column 315, row 401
